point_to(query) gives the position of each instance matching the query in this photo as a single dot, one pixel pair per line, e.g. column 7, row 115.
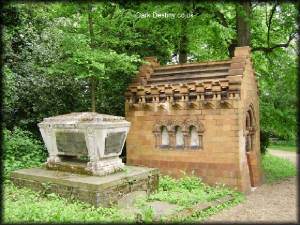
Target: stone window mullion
column 186, row 139
column 172, row 139
column 200, row 136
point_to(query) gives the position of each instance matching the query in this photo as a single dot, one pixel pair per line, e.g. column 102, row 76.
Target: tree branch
column 222, row 17
column 199, row 10
column 270, row 49
column 269, row 24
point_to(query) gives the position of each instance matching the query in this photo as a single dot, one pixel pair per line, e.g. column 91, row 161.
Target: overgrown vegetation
column 47, row 51
column 264, row 141
column 188, row 191
column 47, row 48
column 25, row 205
column 21, row 150
column 276, row 168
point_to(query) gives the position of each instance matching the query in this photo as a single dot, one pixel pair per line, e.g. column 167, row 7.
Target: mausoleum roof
column 189, row 72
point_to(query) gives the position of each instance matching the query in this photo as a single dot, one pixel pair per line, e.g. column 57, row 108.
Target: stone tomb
column 83, row 162
column 98, row 138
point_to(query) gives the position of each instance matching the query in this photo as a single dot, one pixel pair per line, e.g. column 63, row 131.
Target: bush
column 21, row 150
column 264, row 141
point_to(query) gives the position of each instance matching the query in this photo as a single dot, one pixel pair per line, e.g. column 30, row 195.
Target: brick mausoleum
column 200, row 117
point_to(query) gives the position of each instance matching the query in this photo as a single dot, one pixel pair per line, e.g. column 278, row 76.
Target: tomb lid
column 83, row 117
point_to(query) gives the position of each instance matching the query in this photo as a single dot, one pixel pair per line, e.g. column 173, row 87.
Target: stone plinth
column 97, row 137
column 96, row 190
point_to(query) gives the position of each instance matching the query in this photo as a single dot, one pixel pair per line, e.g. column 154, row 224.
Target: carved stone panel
column 113, row 142
column 71, row 143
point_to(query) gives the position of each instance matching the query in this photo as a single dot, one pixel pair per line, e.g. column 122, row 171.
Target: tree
column 50, row 48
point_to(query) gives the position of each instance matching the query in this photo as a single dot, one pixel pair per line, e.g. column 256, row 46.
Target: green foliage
column 276, row 168
column 31, row 91
column 26, row 205
column 47, row 47
column 147, row 214
column 187, row 191
column 21, row 150
column 264, row 141
column 277, row 70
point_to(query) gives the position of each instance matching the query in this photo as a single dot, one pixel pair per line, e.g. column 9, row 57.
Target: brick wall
column 222, row 157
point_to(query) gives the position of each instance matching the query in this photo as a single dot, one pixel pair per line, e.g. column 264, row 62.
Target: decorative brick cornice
column 160, row 84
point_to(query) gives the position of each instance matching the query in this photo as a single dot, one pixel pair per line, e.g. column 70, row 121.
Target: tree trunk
column 92, row 48
column 243, row 14
column 183, row 43
column 243, row 24
column 93, row 94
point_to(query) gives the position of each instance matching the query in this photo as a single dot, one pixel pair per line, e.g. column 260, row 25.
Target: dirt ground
column 272, row 203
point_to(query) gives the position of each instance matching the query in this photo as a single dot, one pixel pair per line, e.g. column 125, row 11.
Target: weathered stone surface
column 162, row 209
column 104, row 191
column 131, row 198
column 113, row 142
column 97, row 136
column 71, row 143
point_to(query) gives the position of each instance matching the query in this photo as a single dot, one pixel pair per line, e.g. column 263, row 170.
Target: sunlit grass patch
column 287, row 148
column 277, row 168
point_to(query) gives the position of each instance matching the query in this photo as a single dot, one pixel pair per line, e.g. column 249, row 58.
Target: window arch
column 178, row 134
column 165, row 140
column 179, row 138
column 249, row 129
column 194, row 142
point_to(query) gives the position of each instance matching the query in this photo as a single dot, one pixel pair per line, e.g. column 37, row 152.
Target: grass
column 188, row 191
column 25, row 205
column 288, row 148
column 277, row 168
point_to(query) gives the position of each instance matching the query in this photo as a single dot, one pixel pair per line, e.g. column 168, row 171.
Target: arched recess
column 195, row 139
column 177, row 134
column 195, row 130
column 165, row 139
column 179, row 138
column 161, row 131
column 250, row 130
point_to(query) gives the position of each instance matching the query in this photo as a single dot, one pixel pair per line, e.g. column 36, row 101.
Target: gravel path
column 273, row 202
column 292, row 156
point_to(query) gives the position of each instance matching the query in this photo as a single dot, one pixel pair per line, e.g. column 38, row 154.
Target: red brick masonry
column 219, row 99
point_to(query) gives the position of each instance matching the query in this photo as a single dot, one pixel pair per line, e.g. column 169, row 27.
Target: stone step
column 190, row 71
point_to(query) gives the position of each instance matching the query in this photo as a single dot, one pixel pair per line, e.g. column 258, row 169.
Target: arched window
column 165, row 140
column 194, row 143
column 249, row 130
column 179, row 144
